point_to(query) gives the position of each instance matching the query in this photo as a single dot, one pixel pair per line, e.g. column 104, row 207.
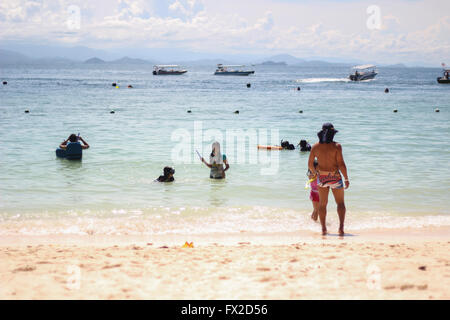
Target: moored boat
column 168, row 69
column 223, row 70
column 445, row 75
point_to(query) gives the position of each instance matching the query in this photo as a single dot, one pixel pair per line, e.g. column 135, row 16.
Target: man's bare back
column 330, row 166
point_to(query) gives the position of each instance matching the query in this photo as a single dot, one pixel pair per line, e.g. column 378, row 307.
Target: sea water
column 398, row 163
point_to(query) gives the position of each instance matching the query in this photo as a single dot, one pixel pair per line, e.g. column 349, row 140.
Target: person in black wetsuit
column 168, row 175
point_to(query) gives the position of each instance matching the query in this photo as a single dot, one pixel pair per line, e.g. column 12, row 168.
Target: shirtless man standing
column 331, row 165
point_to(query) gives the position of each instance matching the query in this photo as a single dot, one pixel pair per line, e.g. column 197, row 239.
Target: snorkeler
column 167, row 176
column 331, row 165
column 73, row 138
column 304, row 146
column 217, row 160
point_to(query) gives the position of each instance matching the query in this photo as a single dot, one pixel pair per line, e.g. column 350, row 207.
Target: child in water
column 168, row 175
column 314, row 195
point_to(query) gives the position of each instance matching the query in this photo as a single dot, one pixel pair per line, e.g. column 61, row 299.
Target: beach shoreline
column 375, row 264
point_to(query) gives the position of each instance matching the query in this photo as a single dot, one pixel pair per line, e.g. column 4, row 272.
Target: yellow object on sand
column 188, row 245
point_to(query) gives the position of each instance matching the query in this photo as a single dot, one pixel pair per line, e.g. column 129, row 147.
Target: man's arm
column 85, row 144
column 341, row 165
column 63, row 144
column 312, row 156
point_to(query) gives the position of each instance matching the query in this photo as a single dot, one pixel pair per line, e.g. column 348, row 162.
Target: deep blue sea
column 398, row 163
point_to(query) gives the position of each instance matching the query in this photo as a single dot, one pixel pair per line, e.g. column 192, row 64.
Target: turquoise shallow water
column 398, row 162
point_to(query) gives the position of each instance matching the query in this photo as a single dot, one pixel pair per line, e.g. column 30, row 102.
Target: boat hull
column 234, row 73
column 443, row 80
column 168, row 73
column 362, row 77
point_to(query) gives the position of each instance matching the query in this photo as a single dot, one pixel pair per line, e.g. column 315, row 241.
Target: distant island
column 273, row 63
column 94, row 61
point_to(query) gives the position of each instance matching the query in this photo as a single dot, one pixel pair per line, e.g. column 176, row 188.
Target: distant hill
column 273, row 63
column 128, row 60
column 286, row 58
column 10, row 57
column 94, row 61
column 397, row 65
column 319, row 63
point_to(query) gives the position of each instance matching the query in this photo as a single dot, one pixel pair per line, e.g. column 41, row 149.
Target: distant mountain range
column 8, row 57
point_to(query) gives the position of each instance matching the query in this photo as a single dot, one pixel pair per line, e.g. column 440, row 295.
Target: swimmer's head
column 303, row 143
column 327, row 133
column 73, row 137
column 168, row 171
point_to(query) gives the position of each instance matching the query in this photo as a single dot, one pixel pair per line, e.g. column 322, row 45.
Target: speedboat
column 445, row 75
column 223, row 70
column 364, row 72
column 168, row 69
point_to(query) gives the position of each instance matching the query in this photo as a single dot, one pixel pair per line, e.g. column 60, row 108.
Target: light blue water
column 398, row 163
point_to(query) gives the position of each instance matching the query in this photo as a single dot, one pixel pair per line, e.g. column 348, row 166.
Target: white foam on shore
column 228, row 220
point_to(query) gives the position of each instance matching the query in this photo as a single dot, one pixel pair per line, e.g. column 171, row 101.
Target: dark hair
column 73, row 137
column 327, row 133
column 168, row 170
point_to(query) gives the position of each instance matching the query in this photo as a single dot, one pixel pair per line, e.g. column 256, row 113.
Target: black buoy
column 5, row 83
column 189, row 111
column 437, row 110
column 395, row 110
column 300, row 111
column 298, row 89
column 27, row 111
column 386, row 90
column 112, row 111
column 130, row 86
column 114, row 84
column 249, row 85
column 237, row 111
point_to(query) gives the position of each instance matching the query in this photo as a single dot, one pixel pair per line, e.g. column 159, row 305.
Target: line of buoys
column 386, row 90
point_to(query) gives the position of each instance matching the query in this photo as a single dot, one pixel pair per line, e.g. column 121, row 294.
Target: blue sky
column 397, row 31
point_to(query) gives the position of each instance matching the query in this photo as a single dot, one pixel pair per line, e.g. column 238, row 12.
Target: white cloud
column 253, row 26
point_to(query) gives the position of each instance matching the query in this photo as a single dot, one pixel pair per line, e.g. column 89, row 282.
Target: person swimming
column 304, row 146
column 167, row 176
column 217, row 160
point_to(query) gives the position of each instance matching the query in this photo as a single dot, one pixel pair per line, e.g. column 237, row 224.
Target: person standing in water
column 216, row 162
column 331, row 165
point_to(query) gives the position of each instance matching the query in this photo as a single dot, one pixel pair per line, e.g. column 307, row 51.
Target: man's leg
column 339, row 197
column 323, row 201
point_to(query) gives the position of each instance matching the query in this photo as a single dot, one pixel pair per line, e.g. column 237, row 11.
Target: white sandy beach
column 383, row 264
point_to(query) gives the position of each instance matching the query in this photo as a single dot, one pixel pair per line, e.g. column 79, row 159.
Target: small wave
column 318, row 80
